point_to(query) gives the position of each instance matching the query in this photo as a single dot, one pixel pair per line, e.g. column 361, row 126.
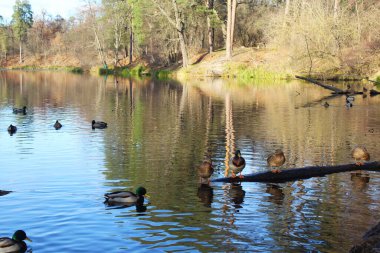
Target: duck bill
column 28, row 239
column 146, row 196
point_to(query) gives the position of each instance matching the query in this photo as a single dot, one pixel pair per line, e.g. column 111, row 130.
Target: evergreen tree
column 22, row 20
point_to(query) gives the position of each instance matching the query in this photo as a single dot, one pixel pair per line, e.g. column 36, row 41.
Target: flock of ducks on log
column 274, row 161
column 349, row 97
column 128, row 198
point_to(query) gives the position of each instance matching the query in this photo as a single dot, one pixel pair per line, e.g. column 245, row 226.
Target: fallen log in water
column 373, row 93
column 299, row 173
column 328, row 87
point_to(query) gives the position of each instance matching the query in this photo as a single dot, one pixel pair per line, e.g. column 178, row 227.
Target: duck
column 19, row 110
column 98, row 124
column 277, row 159
column 349, row 99
column 360, row 153
column 348, row 104
column 237, row 164
column 205, row 171
column 126, row 197
column 16, row 244
column 326, row 104
column 365, row 90
column 12, row 129
column 57, row 125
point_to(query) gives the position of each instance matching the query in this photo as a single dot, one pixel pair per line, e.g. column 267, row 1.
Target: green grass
column 248, row 73
column 71, row 69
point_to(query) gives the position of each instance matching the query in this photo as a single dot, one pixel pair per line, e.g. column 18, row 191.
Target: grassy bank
column 71, row 69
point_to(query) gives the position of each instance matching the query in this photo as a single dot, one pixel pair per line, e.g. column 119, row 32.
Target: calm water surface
column 157, row 136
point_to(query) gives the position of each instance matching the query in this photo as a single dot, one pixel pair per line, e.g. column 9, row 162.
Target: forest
column 292, row 36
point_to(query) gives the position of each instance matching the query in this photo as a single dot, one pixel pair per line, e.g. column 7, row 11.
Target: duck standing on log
column 360, row 153
column 237, row 164
column 276, row 160
column 205, row 171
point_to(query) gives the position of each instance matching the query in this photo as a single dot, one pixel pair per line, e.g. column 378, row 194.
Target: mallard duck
column 360, row 153
column 126, row 197
column 57, row 125
column 277, row 159
column 237, row 164
column 348, row 104
column 205, row 170
column 99, row 124
column 19, row 110
column 349, row 99
column 12, row 129
column 16, row 244
column 365, row 90
column 326, row 104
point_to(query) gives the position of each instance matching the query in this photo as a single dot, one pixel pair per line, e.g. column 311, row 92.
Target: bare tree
column 179, row 25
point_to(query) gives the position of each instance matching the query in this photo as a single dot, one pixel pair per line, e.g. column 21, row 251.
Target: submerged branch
column 300, row 173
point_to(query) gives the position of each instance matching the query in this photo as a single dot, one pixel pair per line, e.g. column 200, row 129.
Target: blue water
column 157, row 136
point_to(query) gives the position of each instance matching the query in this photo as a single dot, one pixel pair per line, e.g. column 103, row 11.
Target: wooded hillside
column 329, row 36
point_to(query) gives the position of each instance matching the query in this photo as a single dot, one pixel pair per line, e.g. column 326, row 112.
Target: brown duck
column 276, row 160
column 237, row 164
column 205, row 171
column 360, row 153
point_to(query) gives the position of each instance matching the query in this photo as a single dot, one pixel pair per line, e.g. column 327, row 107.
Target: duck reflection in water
column 276, row 193
column 360, row 180
column 236, row 194
column 205, row 194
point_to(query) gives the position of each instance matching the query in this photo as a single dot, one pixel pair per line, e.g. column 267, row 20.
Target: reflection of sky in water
column 157, row 136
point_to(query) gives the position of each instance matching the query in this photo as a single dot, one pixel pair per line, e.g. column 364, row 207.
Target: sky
column 65, row 8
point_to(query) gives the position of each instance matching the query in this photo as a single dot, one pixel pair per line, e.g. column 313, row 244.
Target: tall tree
column 179, row 25
column 22, row 20
column 231, row 11
column 210, row 28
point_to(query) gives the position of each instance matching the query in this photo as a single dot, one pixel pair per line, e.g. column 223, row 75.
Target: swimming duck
column 126, row 197
column 16, row 244
column 19, row 110
column 360, row 153
column 205, row 170
column 57, row 125
column 237, row 164
column 349, row 99
column 12, row 129
column 98, row 124
column 365, row 90
column 276, row 159
column 326, row 104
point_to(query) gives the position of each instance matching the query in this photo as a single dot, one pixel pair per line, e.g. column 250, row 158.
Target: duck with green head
column 237, row 164
column 126, row 197
column 14, row 245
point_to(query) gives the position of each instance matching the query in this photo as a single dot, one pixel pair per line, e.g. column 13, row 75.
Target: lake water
column 158, row 134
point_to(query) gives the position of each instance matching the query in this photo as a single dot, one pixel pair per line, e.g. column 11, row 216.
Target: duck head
column 20, row 236
column 237, row 153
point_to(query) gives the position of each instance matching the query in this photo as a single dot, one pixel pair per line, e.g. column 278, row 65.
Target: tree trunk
column 210, row 29
column 336, row 9
column 231, row 10
column 181, row 34
column 131, row 37
column 299, row 173
column 286, row 13
column 20, row 51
